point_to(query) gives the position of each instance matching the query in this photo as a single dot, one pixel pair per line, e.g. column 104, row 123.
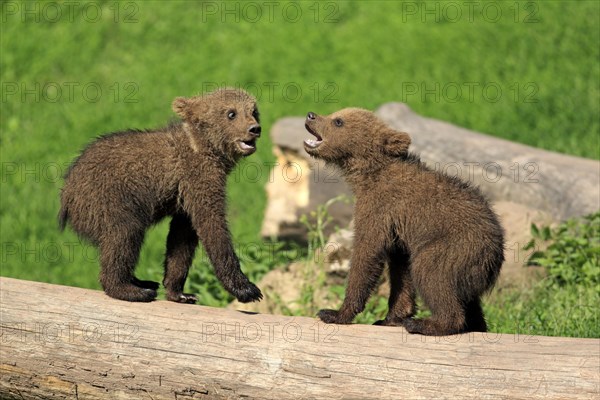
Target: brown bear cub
column 437, row 234
column 124, row 182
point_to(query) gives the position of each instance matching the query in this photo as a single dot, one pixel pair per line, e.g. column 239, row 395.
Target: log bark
column 69, row 343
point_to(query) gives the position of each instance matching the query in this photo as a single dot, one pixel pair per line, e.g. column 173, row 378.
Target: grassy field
column 525, row 71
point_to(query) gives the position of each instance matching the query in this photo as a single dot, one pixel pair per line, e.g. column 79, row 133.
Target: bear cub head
column 227, row 118
column 351, row 134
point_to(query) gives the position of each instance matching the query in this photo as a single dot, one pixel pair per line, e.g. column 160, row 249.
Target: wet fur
column 124, row 182
column 437, row 234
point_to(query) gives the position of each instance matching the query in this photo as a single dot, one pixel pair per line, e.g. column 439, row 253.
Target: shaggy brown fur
column 437, row 234
column 124, row 182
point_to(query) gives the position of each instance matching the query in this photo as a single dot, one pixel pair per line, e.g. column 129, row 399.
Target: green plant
column 314, row 275
column 573, row 253
column 565, row 302
column 376, row 309
column 316, row 222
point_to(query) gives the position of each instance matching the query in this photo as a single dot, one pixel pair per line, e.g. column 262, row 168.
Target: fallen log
column 69, row 343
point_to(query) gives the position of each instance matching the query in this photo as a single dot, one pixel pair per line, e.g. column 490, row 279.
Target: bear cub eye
column 338, row 122
column 231, row 114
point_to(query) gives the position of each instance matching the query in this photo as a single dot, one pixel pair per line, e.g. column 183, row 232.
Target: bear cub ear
column 395, row 143
column 181, row 107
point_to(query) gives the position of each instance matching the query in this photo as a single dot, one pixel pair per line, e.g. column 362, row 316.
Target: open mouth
column 247, row 146
column 313, row 144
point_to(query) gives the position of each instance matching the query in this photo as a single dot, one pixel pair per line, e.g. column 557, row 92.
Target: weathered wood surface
column 62, row 342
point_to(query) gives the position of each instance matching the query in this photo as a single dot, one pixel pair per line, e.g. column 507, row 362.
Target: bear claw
column 248, row 294
column 185, row 298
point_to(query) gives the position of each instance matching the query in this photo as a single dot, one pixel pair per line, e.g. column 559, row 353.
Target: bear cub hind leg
column 448, row 317
column 181, row 246
column 118, row 257
column 475, row 319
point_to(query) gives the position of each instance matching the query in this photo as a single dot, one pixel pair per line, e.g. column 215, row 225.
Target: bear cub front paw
column 248, row 293
column 182, row 298
column 332, row 317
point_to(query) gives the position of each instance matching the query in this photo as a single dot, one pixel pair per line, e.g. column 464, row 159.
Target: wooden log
column 69, row 343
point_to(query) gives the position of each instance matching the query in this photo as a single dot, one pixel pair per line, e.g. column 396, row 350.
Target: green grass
column 561, row 311
column 366, row 54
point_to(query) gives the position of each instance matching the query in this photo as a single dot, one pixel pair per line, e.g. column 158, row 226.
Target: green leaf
column 535, row 232
column 546, row 234
column 529, row 245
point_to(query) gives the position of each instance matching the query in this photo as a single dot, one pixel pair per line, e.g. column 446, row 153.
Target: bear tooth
column 312, row 143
